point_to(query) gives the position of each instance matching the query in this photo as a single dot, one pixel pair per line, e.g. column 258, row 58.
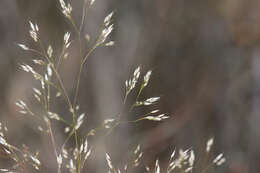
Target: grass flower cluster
column 73, row 159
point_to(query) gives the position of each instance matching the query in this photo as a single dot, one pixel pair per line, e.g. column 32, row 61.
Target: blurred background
column 206, row 68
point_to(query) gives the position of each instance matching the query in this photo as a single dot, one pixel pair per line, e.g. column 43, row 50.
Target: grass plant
column 52, row 87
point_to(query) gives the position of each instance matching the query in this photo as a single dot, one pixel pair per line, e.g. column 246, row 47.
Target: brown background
column 205, row 58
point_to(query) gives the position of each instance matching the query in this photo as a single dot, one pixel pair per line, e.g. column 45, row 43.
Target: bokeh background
column 206, row 68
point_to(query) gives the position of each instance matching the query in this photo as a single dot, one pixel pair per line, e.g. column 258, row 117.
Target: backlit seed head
column 24, row 47
column 34, row 31
column 92, row 2
column 49, row 70
column 49, row 51
column 66, row 8
column 209, row 144
column 147, row 78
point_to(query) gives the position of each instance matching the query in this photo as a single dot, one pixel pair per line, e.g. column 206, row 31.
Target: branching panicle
column 52, row 90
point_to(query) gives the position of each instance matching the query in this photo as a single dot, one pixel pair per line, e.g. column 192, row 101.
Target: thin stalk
column 59, row 59
column 126, row 94
column 52, row 139
column 49, row 124
column 62, row 87
column 64, row 93
column 44, row 96
column 83, row 60
column 84, row 14
column 70, row 105
column 79, row 73
column 78, row 33
column 74, row 25
column 57, row 76
column 132, row 107
column 79, row 30
column 67, row 139
column 79, row 162
column 139, row 93
column 48, row 96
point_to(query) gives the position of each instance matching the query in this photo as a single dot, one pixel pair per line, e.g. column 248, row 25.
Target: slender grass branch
column 84, row 14
column 79, row 74
column 60, row 57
